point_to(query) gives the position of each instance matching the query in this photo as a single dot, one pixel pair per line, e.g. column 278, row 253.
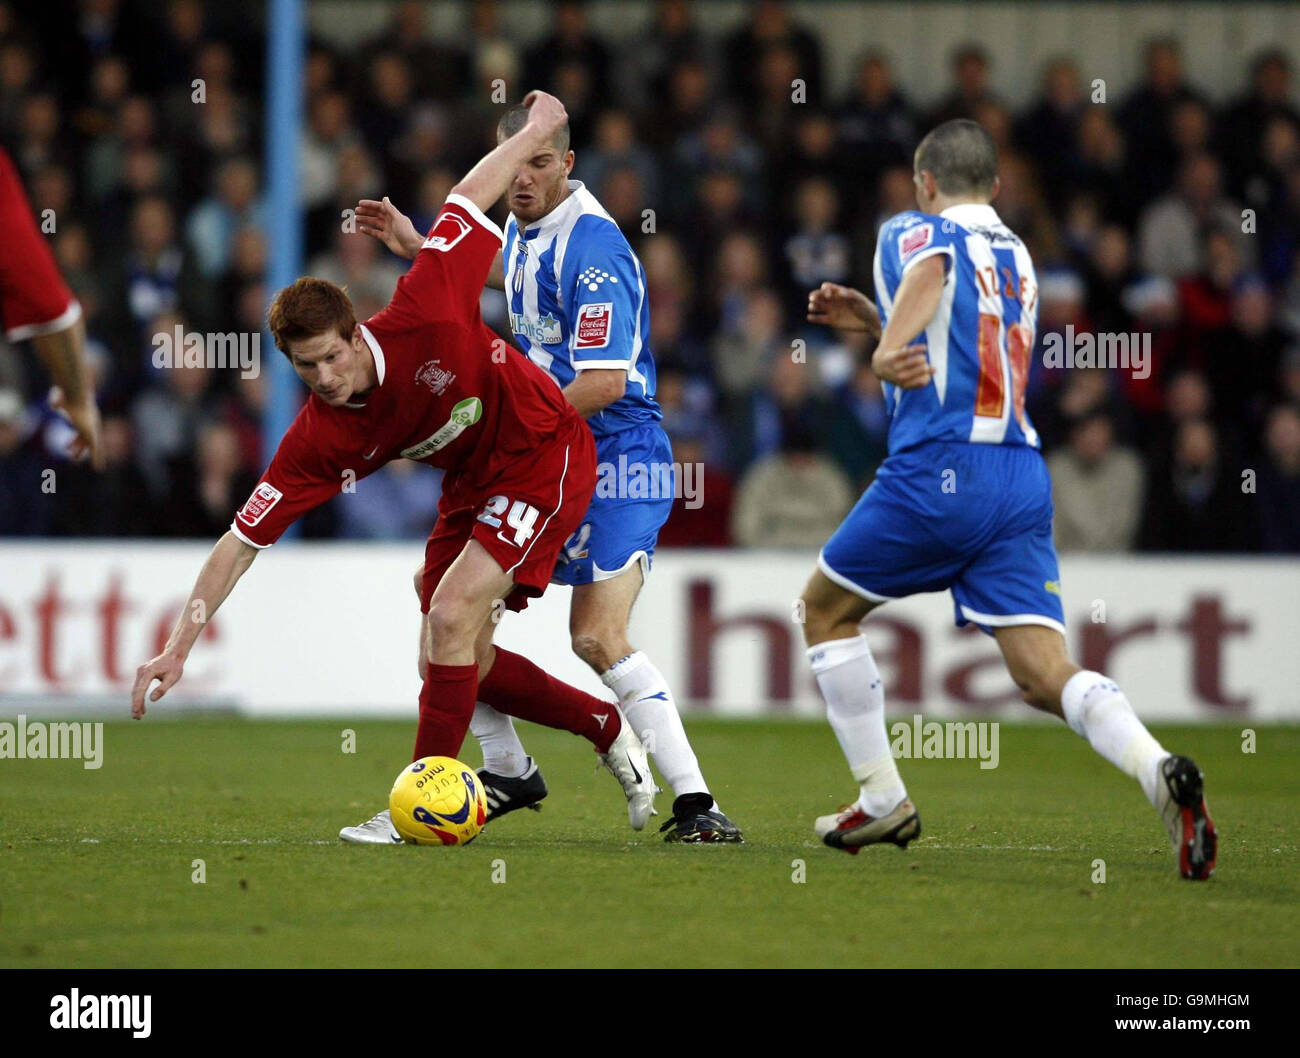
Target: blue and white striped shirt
column 577, row 300
column 980, row 338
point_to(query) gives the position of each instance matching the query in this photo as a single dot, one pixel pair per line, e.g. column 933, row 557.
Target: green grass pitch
column 96, row 867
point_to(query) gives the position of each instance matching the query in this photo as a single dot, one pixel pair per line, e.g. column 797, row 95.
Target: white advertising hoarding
column 331, row 629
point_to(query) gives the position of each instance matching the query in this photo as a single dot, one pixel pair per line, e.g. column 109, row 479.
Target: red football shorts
column 523, row 517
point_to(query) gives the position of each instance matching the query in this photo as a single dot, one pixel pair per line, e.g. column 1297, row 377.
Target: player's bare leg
column 1096, row 708
column 461, row 606
column 598, row 624
column 855, row 706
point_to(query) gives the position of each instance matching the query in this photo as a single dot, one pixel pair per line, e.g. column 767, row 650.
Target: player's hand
column 545, row 112
column 165, row 667
column 84, row 417
column 844, row 308
column 388, row 224
column 906, row 368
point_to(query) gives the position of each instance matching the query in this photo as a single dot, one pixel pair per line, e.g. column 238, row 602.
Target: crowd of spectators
column 1159, row 214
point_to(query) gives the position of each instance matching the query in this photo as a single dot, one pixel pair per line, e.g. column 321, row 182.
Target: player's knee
column 818, row 621
column 590, row 644
column 1039, row 682
column 450, row 623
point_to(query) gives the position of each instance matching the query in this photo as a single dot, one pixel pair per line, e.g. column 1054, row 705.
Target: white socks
column 1097, row 709
column 855, row 705
column 648, row 704
column 503, row 753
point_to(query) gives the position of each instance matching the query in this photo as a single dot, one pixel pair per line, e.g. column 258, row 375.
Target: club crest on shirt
column 593, row 325
column 435, row 377
column 915, row 239
column 264, row 497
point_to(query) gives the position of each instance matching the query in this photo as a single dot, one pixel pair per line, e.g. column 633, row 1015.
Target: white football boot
column 378, row 830
column 628, row 763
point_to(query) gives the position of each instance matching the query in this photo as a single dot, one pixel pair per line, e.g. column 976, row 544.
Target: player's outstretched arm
column 392, row 227
column 229, row 559
column 385, row 222
column 73, row 395
column 918, row 298
column 490, row 178
column 843, row 308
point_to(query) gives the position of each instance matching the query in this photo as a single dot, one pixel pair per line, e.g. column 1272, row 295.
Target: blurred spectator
column 359, row 263
column 1103, row 167
column 688, row 412
column 859, row 425
column 816, row 251
column 1049, row 131
column 398, row 502
column 753, row 339
column 690, row 99
column 1244, row 122
column 204, row 492
column 770, row 31
column 157, row 276
column 786, row 405
column 1245, row 360
column 616, row 147
column 704, row 518
column 166, row 418
column 969, row 69
column 1279, row 482
column 571, row 43
column 113, row 502
column 25, row 506
column 1169, row 230
column 793, row 498
column 1145, row 116
column 1096, row 489
column 1196, row 503
column 876, row 127
column 672, row 37
column 440, row 67
column 233, row 204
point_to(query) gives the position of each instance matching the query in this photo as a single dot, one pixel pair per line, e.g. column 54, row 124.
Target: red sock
column 446, row 705
column 518, row 687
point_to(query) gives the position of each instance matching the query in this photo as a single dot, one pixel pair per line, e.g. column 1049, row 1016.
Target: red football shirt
column 34, row 300
column 450, row 393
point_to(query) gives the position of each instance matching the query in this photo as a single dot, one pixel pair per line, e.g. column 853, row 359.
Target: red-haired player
column 426, row 379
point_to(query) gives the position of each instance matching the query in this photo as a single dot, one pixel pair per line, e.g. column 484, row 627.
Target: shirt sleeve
column 605, row 298
column 297, row 481
column 34, row 300
column 445, row 281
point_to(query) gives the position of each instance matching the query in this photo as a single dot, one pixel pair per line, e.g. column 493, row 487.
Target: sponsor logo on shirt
column 464, row 415
column 544, row 331
column 915, row 239
column 435, row 377
column 447, row 231
column 592, row 328
column 264, row 497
